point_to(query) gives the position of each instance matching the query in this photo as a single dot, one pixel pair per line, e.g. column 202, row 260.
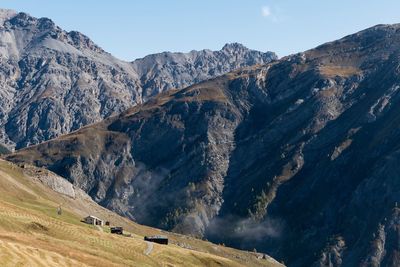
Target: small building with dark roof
column 117, row 230
column 160, row 239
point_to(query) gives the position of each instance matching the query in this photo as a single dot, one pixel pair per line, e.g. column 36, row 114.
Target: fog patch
column 244, row 232
column 249, row 229
column 139, row 193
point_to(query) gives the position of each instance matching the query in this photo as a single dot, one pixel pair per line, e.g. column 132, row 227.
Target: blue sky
column 131, row 29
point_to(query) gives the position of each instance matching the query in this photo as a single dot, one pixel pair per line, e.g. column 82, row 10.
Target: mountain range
column 54, row 82
column 296, row 157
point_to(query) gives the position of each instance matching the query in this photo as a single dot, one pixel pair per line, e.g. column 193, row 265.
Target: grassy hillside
column 32, row 234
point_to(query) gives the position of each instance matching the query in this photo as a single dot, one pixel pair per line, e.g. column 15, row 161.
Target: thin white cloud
column 273, row 13
column 265, row 11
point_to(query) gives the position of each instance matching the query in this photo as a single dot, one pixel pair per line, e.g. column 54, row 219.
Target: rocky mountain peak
column 82, row 41
column 234, row 47
column 22, row 20
column 41, row 28
column 46, row 23
column 6, row 14
column 379, row 40
column 163, row 71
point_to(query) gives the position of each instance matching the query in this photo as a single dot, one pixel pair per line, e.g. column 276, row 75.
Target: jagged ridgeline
column 53, row 82
column 298, row 158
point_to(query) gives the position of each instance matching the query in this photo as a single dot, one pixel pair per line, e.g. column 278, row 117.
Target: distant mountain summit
column 6, row 14
column 160, row 72
column 53, row 82
column 234, row 47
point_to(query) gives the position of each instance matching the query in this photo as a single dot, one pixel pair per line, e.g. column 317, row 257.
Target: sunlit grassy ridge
column 33, row 234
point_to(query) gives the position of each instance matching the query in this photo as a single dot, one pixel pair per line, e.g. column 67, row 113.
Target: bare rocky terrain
column 298, row 158
column 53, row 82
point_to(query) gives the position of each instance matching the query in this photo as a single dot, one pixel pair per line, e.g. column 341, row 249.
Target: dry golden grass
column 343, row 71
column 32, row 234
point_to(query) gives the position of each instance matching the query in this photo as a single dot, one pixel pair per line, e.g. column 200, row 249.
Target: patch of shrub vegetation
column 4, row 150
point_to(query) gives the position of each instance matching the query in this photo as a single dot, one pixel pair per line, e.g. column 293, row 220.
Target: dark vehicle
column 157, row 239
column 117, row 230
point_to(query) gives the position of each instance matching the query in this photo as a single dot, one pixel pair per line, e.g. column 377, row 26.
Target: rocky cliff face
column 298, row 158
column 53, row 82
column 160, row 72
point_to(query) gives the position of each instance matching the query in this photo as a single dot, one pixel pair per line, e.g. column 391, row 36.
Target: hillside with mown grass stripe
column 33, row 234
